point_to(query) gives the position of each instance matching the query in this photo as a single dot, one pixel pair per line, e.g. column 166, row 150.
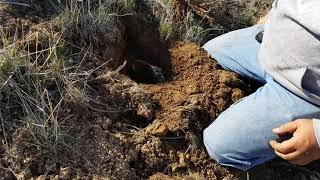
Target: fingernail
column 276, row 130
column 271, row 143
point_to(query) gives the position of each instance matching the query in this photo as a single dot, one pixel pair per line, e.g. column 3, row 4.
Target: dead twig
column 16, row 3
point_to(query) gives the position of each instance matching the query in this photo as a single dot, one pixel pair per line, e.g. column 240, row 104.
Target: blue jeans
column 239, row 136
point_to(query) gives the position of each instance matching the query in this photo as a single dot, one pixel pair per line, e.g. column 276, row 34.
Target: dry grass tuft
column 26, row 98
column 59, row 63
column 198, row 21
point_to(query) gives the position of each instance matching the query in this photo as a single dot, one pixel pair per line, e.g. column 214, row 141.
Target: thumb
column 287, row 128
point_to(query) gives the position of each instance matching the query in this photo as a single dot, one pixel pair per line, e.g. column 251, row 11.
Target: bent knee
column 216, row 147
column 233, row 40
column 216, row 46
column 223, row 152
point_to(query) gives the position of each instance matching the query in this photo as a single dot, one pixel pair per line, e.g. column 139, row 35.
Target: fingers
column 285, row 147
column 300, row 162
column 289, row 157
column 262, row 20
column 287, row 128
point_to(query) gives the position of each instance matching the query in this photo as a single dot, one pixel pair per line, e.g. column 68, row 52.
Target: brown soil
column 165, row 133
column 160, row 138
column 196, row 94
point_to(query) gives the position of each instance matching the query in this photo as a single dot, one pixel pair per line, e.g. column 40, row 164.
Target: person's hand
column 302, row 148
column 262, row 20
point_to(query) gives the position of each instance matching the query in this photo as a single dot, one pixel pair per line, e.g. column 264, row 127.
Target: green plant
column 167, row 30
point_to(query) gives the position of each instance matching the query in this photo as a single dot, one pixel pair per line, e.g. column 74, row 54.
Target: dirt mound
column 163, row 131
column 197, row 93
column 156, row 132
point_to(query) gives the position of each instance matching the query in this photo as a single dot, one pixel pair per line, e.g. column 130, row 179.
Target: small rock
column 26, row 160
column 223, row 93
column 42, row 177
column 237, row 94
column 144, row 111
column 107, row 123
column 227, row 178
column 181, row 102
column 26, row 174
column 65, row 173
column 56, row 177
column 175, row 167
column 184, row 161
column 195, row 100
column 195, row 62
column 229, row 79
column 193, row 89
column 157, row 129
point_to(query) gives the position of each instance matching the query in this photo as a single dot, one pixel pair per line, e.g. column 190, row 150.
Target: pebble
column 157, row 129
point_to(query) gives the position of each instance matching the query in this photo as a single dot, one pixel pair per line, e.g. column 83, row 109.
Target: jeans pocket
column 292, row 69
column 311, row 82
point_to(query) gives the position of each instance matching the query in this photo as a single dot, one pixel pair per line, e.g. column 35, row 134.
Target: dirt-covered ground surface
column 130, row 105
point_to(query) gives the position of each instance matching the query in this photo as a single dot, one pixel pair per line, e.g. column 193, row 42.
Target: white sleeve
column 290, row 50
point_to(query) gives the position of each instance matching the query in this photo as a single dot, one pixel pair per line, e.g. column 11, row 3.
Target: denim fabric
column 239, row 136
